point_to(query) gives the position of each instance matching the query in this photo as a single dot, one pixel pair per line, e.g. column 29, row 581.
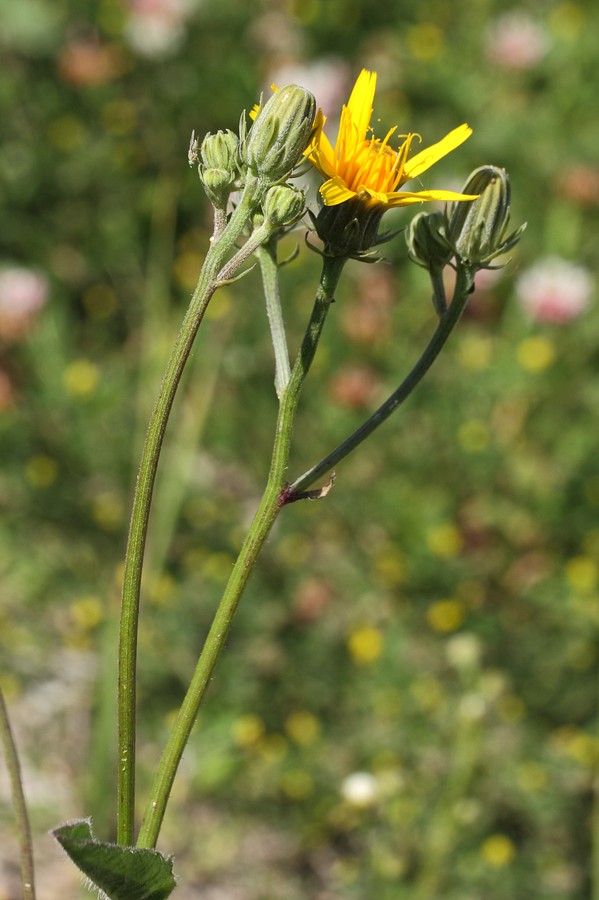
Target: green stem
column 207, row 284
column 267, row 257
column 18, row 797
column 446, row 325
column 274, row 498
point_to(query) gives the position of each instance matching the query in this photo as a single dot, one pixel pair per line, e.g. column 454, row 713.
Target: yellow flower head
column 361, row 167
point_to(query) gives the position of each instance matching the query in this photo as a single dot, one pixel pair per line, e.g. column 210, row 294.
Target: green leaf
column 123, row 873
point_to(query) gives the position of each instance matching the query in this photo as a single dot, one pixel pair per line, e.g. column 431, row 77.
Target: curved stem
column 207, row 284
column 274, row 498
column 19, row 804
column 446, row 325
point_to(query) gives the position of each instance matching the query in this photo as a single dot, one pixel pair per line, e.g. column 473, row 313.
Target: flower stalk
column 275, row 496
column 447, row 323
column 207, row 284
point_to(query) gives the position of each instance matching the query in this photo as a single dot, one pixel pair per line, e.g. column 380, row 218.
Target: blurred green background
column 406, row 707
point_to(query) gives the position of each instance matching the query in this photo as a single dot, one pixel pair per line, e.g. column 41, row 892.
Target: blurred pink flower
column 354, row 386
column 157, row 27
column 328, row 78
column 22, row 294
column 555, row 290
column 580, row 183
column 516, row 41
column 86, row 62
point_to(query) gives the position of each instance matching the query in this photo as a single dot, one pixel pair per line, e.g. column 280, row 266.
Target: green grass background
column 434, row 622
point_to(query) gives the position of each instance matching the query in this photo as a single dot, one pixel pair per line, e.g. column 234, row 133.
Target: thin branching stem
column 274, row 498
column 208, row 281
column 446, row 325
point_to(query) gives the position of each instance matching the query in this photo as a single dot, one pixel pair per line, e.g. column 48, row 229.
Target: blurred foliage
column 434, row 623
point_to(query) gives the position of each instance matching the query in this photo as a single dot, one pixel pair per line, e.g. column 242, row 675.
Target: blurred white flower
column 555, row 290
column 472, row 707
column 157, row 27
column 328, row 78
column 464, row 650
column 23, row 293
column 516, row 41
column 360, row 789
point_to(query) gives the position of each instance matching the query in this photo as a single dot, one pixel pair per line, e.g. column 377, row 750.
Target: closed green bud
column 220, row 151
column 283, row 205
column 478, row 228
column 280, row 133
column 426, row 237
column 219, row 166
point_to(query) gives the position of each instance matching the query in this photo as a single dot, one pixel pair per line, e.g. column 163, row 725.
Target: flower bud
column 219, row 166
column 280, row 133
column 283, row 205
column 349, row 229
column 220, row 151
column 477, row 229
column 426, row 237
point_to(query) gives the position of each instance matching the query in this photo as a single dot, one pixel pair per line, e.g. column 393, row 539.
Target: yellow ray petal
column 427, row 158
column 335, row 191
column 322, row 155
column 360, row 103
column 406, row 198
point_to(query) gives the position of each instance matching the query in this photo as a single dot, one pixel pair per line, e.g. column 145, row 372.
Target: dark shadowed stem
column 446, row 325
column 18, row 799
column 274, row 498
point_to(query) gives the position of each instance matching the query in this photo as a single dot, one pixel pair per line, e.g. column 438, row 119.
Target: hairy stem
column 274, row 498
column 19, row 805
column 208, row 281
column 267, row 257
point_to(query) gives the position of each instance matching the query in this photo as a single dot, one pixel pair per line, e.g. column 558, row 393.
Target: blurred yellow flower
column 296, row 784
column 273, row 748
column 87, row 612
column 535, row 353
column 427, row 692
column 67, row 132
column 582, row 574
column 365, row 644
column 302, row 727
column 100, row 301
column 473, row 435
column 247, row 730
column 365, row 168
column 531, row 776
column 81, row 378
column 425, row 41
column 108, row 510
column 498, row 851
column 389, row 566
column 41, row 471
column 444, row 540
column 511, row 708
column 475, row 352
column 446, row 615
